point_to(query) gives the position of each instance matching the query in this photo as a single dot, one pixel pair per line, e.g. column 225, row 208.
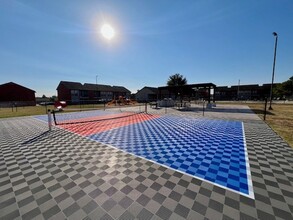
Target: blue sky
column 218, row 41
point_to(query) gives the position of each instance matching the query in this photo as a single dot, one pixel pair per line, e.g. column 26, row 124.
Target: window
column 74, row 93
column 84, row 93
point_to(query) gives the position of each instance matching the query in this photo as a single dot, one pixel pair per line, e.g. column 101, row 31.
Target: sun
column 107, row 31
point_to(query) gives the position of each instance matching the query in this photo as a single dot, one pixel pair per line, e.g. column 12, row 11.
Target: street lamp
column 97, row 86
column 271, row 92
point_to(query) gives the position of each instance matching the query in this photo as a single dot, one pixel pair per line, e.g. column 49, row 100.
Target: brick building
column 243, row 92
column 75, row 92
column 12, row 94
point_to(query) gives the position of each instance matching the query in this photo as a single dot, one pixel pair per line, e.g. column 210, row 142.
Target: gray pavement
column 60, row 175
column 228, row 112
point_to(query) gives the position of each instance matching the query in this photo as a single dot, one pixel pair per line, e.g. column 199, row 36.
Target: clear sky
column 221, row 41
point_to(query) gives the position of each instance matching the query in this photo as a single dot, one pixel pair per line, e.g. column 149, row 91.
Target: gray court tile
column 182, row 210
column 164, row 212
column 31, row 214
column 127, row 216
column 51, row 212
column 59, row 175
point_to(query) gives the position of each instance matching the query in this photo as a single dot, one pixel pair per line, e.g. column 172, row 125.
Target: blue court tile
column 213, row 150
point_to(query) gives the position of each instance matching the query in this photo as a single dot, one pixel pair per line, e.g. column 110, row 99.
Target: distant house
column 69, row 91
column 147, row 94
column 75, row 92
column 12, row 94
column 243, row 92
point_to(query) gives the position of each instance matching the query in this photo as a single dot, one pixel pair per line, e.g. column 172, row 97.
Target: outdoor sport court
column 210, row 149
column 226, row 165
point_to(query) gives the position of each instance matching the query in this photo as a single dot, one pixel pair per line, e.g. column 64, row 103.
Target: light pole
column 97, row 86
column 275, row 54
column 238, row 90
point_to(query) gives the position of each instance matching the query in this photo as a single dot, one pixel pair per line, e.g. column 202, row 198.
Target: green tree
column 53, row 98
column 176, row 80
column 288, row 87
column 284, row 89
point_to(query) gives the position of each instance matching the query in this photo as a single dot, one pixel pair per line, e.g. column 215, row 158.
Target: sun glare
column 107, row 31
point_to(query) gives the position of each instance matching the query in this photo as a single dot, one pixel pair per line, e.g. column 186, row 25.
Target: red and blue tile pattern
column 212, row 150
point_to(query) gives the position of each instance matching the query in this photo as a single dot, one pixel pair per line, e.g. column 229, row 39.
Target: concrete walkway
column 229, row 112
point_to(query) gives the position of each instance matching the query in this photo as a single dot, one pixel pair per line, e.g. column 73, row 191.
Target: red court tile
column 94, row 127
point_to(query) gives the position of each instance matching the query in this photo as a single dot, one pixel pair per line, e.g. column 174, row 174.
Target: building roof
column 71, row 85
column 151, row 89
column 93, row 87
column 97, row 87
column 120, row 89
column 198, row 85
column 14, row 84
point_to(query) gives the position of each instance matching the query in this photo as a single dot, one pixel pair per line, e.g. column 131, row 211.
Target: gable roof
column 148, row 89
column 120, row 89
column 15, row 84
column 153, row 89
column 93, row 87
column 70, row 85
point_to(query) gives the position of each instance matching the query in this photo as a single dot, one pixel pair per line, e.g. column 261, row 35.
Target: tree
column 53, row 98
column 284, row 89
column 176, row 80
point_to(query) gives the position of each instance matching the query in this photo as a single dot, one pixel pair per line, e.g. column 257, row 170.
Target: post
column 146, row 107
column 203, row 107
column 54, row 117
column 49, row 120
column 238, row 90
column 265, row 110
column 273, row 74
column 97, row 90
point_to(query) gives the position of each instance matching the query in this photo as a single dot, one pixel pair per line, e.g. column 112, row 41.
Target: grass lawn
column 39, row 110
column 24, row 111
column 280, row 119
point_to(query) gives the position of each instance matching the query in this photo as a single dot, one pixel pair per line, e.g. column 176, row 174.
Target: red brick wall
column 12, row 92
column 63, row 93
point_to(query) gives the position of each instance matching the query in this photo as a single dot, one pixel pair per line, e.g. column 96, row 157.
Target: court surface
column 146, row 167
column 209, row 149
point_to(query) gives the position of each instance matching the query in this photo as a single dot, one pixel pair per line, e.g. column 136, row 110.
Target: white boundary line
column 248, row 172
column 196, row 177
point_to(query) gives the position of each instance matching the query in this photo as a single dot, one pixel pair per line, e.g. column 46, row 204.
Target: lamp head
column 275, row 34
